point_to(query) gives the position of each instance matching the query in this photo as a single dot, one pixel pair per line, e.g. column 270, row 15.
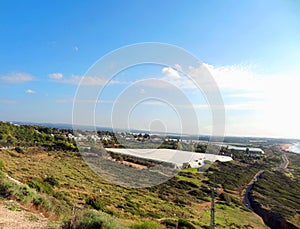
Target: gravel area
column 13, row 217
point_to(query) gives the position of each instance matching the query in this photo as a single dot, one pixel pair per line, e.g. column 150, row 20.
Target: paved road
column 249, row 188
column 285, row 162
column 282, row 165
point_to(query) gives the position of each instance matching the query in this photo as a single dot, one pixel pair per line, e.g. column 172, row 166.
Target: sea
column 295, row 148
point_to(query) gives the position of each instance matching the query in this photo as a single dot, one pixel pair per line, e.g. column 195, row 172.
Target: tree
column 247, row 150
column 179, row 146
column 11, row 141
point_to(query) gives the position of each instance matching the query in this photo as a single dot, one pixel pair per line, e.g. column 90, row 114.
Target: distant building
column 251, row 150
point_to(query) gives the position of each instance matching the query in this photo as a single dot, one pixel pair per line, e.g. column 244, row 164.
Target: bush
column 2, row 167
column 184, row 224
column 145, row 225
column 42, row 202
column 92, row 219
column 19, row 150
column 24, row 194
column 225, row 197
column 169, row 223
column 40, row 186
column 94, row 203
column 97, row 204
column 52, row 181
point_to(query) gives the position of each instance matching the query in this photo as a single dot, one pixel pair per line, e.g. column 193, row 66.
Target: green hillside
column 60, row 184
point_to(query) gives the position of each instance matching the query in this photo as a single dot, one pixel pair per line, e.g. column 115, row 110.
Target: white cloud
column 154, row 103
column 178, row 66
column 170, row 72
column 69, row 100
column 29, row 91
column 17, row 77
column 249, row 95
column 72, row 100
column 56, row 76
column 250, row 105
column 88, row 81
column 236, row 77
column 7, row 101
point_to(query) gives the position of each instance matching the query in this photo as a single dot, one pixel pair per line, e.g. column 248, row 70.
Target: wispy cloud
column 250, row 105
column 56, row 76
column 29, row 91
column 233, row 81
column 72, row 100
column 17, row 77
column 7, row 101
column 249, row 95
column 236, row 77
column 69, row 100
column 82, row 80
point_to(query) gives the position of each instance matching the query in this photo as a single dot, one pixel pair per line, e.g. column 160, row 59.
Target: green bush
column 43, row 202
column 97, row 204
column 169, row 223
column 24, row 193
column 225, row 197
column 40, row 186
column 19, row 150
column 52, row 181
column 184, row 224
column 2, row 167
column 145, row 225
column 92, row 219
column 94, row 203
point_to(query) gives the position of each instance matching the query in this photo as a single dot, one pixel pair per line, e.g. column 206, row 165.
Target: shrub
column 2, row 167
column 145, row 225
column 225, row 197
column 40, row 186
column 184, row 224
column 24, row 194
column 94, row 203
column 51, row 180
column 19, row 150
column 92, row 219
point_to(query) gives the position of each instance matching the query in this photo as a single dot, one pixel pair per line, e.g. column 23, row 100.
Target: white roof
column 177, row 157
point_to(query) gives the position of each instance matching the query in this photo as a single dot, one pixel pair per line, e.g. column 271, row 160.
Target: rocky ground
column 13, row 216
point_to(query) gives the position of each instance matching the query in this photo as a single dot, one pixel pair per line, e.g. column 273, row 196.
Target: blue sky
column 251, row 48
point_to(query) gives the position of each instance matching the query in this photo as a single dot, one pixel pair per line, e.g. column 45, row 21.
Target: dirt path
column 13, row 217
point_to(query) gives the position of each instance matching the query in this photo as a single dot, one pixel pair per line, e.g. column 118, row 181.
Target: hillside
column 60, row 185
column 77, row 187
column 275, row 195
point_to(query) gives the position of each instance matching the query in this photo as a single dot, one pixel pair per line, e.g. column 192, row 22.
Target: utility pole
column 212, row 210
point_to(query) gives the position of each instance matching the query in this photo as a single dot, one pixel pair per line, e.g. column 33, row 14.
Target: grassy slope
column 279, row 191
column 183, row 197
